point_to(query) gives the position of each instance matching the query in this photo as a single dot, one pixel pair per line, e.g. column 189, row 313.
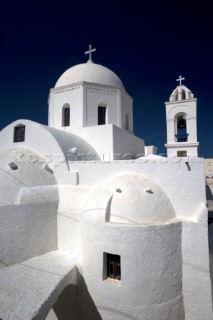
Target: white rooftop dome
column 89, row 72
column 134, row 199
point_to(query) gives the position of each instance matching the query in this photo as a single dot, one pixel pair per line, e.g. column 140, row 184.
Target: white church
column 94, row 225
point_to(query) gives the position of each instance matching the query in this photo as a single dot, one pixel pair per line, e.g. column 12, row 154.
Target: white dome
column 134, row 199
column 89, row 72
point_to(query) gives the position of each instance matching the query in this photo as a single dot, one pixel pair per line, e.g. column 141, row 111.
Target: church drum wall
column 151, row 269
column 59, row 98
column 101, row 97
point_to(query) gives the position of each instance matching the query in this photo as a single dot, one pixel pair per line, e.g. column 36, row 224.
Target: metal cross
column 180, row 80
column 90, row 52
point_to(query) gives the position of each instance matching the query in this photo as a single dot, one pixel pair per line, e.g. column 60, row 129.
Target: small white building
column 91, row 228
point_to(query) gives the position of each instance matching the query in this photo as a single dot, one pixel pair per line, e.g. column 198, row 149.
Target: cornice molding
column 179, row 102
column 182, row 145
column 92, row 87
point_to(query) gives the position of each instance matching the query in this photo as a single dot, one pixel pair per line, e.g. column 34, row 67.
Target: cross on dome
column 90, row 52
column 180, row 80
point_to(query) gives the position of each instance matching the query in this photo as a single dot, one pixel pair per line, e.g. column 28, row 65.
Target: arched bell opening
column 181, row 129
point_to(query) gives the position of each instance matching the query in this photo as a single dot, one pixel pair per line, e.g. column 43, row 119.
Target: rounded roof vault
column 181, row 93
column 134, row 199
column 22, row 168
column 89, row 72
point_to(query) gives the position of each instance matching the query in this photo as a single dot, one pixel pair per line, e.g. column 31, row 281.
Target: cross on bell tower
column 89, row 52
column 180, row 80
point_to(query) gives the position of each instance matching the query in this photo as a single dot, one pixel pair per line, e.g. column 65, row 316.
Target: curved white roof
column 89, row 72
column 134, row 199
column 181, row 93
column 47, row 140
column 22, row 168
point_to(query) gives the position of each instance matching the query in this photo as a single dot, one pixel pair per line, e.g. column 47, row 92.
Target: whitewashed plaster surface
column 30, row 289
column 171, row 174
column 150, row 210
column 90, row 72
column 85, row 87
column 151, row 268
column 210, row 236
column 196, row 273
column 27, row 231
column 52, row 145
column 112, row 142
column 188, row 108
column 132, row 199
column 68, row 218
column 28, row 206
column 23, row 169
column 83, row 100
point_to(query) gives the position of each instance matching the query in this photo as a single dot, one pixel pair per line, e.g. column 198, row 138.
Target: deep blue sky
column 147, row 43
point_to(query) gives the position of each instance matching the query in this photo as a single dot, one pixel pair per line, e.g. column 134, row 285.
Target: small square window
column 182, row 153
column 112, row 266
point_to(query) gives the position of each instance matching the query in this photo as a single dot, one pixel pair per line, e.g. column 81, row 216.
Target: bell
column 181, row 123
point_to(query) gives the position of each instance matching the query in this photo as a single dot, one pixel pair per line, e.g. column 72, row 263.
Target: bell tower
column 181, row 120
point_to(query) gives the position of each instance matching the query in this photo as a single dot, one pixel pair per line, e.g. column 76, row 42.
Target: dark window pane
column 111, row 269
column 101, row 115
column 19, row 134
column 113, row 266
column 66, row 117
column 182, row 153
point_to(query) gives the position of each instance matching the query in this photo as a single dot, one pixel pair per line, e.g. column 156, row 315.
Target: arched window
column 181, row 135
column 19, row 133
column 101, row 115
column 66, row 115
